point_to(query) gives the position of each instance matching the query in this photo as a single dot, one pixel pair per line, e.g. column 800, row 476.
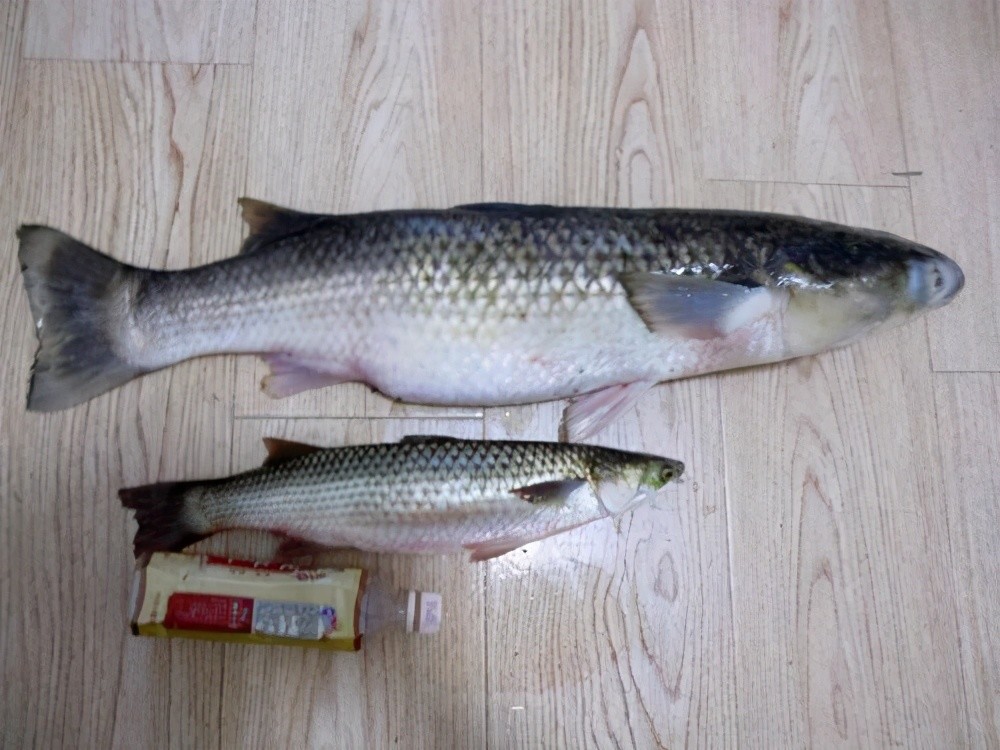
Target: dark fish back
column 441, row 460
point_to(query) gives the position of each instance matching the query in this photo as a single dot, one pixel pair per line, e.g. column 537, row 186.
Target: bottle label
column 430, row 613
column 423, row 612
column 294, row 619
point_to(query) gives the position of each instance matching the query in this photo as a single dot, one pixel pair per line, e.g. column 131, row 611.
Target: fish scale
column 479, row 305
column 420, row 495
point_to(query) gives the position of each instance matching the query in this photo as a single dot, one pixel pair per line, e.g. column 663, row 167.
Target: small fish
column 479, row 305
column 422, row 494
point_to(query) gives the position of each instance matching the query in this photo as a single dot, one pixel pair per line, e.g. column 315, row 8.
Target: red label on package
column 229, row 614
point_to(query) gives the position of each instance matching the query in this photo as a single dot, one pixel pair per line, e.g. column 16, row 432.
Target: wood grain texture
column 948, row 68
column 13, row 507
column 843, row 603
column 826, row 573
column 798, row 90
column 588, row 103
column 150, row 137
column 11, row 21
column 166, row 31
column 400, row 690
column 967, row 407
column 608, row 637
column 389, row 119
column 620, row 634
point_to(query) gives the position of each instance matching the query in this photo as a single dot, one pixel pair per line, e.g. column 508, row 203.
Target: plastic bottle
column 413, row 611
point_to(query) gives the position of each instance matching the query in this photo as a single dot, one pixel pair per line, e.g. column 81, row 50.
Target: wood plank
column 844, row 607
column 948, row 65
column 12, row 607
column 968, row 409
column 127, row 157
column 825, row 575
column 400, row 687
column 800, row 91
column 166, row 31
column 621, row 636
column 604, row 636
column 594, row 106
column 793, row 559
column 390, row 119
column 632, row 72
column 11, row 21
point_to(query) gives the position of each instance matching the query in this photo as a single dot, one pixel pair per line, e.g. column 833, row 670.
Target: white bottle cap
column 423, row 612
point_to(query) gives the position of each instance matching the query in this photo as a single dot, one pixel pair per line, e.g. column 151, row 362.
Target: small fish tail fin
column 77, row 306
column 164, row 514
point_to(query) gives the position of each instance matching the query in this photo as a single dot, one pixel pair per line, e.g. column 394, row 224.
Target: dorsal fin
column 537, row 210
column 427, row 439
column 269, row 222
column 279, row 451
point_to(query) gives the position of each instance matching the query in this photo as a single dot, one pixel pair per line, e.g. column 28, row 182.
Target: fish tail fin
column 77, row 306
column 167, row 521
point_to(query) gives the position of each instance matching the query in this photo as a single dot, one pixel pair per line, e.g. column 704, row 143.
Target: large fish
column 423, row 494
column 488, row 304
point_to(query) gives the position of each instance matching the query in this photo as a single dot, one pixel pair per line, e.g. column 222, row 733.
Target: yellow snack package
column 237, row 601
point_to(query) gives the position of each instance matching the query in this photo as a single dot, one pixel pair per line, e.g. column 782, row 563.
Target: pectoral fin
column 591, row 412
column 547, row 492
column 693, row 306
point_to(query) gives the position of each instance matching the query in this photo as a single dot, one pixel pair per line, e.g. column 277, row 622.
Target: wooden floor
column 827, row 575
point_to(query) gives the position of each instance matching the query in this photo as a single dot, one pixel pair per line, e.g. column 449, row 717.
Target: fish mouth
column 934, row 280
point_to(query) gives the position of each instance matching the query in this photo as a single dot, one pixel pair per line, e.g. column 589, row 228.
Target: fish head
column 842, row 283
column 627, row 485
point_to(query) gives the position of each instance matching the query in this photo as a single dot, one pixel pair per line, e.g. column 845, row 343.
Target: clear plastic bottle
column 384, row 609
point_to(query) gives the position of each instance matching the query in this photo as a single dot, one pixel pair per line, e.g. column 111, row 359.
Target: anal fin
column 292, row 548
column 487, row 550
column 593, row 411
column 480, row 551
column 290, row 375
